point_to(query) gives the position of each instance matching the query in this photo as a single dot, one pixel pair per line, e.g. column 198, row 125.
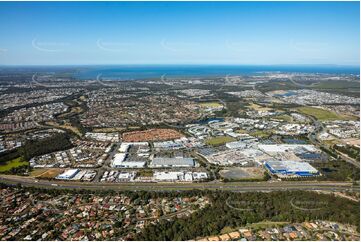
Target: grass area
column 145, row 173
column 37, row 172
column 321, row 114
column 337, row 170
column 73, row 110
column 219, row 140
column 227, row 230
column 47, row 173
column 211, row 104
column 108, row 130
column 67, row 126
column 284, row 117
column 261, row 133
column 258, row 107
column 241, row 131
column 266, row 224
column 243, row 174
column 337, row 85
column 17, row 162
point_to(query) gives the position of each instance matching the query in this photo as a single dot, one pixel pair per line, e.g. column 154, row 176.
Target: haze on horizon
column 101, row 33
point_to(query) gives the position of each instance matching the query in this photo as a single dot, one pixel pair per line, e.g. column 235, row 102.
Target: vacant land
column 242, row 173
column 152, row 135
column 284, row 117
column 66, row 126
column 261, row 133
column 259, row 107
column 17, row 162
column 108, row 130
column 47, row 173
column 211, row 105
column 73, row 111
column 321, row 114
column 219, row 140
column 337, row 84
column 145, row 173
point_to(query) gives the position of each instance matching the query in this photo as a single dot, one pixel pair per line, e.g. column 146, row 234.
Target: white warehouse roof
column 167, row 176
column 285, row 147
column 178, row 162
column 68, row 174
column 118, row 159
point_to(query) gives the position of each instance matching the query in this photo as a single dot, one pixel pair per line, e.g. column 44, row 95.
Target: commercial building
column 172, row 162
column 236, row 145
column 179, row 176
column 288, row 168
column 277, row 148
column 168, row 176
column 68, row 174
column 119, row 161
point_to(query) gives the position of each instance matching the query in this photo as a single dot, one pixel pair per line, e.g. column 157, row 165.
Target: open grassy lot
column 284, row 117
column 146, row 173
column 242, row 173
column 17, row 162
column 210, row 104
column 38, row 172
column 46, row 173
column 261, row 133
column 219, row 140
column 321, row 114
column 67, row 126
column 110, row 130
column 337, row 85
column 73, row 110
column 259, row 107
column 265, row 224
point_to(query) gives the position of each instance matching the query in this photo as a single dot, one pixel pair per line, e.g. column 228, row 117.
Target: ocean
column 129, row 72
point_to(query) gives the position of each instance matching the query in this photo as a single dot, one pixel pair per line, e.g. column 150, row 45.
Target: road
column 319, row 128
column 231, row 186
column 313, row 137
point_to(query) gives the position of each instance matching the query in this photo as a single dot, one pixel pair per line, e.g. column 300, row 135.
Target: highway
column 313, row 137
column 137, row 186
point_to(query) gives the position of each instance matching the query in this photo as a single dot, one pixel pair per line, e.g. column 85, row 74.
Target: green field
column 321, row 114
column 261, row 133
column 17, row 162
column 146, row 173
column 210, row 104
column 284, row 117
column 337, row 85
column 219, row 140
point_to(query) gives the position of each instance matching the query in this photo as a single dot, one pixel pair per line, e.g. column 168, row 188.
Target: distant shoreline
column 138, row 72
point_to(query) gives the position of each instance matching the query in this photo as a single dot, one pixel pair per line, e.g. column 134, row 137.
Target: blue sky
column 260, row 33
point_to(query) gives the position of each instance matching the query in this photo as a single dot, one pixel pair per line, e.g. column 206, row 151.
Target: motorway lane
column 233, row 186
column 314, row 139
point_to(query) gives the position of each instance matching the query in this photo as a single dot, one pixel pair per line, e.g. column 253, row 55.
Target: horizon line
column 180, row 64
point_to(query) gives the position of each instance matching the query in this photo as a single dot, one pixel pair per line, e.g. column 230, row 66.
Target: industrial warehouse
column 172, row 162
column 284, row 169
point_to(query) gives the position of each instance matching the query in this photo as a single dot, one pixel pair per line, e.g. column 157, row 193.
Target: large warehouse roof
column 68, row 174
column 290, row 167
column 286, row 147
column 173, row 162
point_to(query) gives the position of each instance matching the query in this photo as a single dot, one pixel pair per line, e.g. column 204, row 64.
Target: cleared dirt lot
column 46, row 173
column 151, row 135
column 240, row 173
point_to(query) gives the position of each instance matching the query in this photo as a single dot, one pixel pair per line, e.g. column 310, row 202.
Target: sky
column 255, row 33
